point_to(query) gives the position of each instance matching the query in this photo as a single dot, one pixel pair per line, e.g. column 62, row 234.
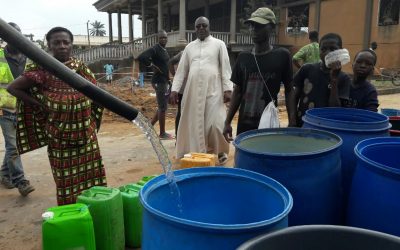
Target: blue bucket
column 353, row 126
column 375, row 192
column 305, row 161
column 221, row 209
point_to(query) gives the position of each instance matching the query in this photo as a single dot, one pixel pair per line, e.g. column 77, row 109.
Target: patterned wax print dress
column 66, row 122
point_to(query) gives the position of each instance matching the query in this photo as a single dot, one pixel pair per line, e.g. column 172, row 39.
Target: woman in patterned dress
column 52, row 113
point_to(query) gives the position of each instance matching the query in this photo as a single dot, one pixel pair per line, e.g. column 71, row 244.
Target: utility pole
column 88, row 37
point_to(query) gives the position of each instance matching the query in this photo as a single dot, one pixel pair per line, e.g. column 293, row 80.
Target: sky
column 39, row 16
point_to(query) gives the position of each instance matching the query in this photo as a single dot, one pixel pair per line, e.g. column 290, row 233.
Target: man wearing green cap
column 258, row 75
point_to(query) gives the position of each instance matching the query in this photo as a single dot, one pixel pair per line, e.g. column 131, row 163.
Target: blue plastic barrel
column 323, row 237
column 353, row 126
column 305, row 161
column 220, row 209
column 390, row 112
column 375, row 192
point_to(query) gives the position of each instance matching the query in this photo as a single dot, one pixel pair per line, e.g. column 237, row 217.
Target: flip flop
column 166, row 136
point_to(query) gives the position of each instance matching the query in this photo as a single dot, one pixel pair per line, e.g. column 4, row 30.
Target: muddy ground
column 127, row 157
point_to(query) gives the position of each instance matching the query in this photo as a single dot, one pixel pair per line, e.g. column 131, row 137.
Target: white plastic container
column 341, row 55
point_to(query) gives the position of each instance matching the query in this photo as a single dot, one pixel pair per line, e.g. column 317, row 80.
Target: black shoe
column 7, row 183
column 24, row 188
column 222, row 158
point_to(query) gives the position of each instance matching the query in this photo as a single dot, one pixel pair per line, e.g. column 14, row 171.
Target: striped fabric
column 66, row 122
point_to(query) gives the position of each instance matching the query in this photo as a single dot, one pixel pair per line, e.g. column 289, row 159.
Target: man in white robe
column 205, row 67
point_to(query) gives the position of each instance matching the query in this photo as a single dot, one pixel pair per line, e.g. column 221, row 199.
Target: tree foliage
column 41, row 43
column 97, row 29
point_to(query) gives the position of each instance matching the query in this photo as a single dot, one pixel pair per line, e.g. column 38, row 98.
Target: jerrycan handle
column 75, row 211
column 101, row 194
column 72, row 212
column 101, row 191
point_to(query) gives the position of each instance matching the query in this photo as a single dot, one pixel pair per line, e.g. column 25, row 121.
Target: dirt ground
column 127, row 155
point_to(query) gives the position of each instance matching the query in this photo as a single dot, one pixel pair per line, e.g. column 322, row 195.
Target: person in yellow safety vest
column 12, row 65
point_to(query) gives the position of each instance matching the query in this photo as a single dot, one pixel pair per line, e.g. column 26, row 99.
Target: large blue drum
column 220, row 209
column 353, row 126
column 375, row 192
column 305, row 161
column 326, row 237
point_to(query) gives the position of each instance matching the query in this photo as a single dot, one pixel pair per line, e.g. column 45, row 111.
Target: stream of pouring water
column 142, row 122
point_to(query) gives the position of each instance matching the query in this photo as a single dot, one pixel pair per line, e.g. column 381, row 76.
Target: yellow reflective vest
column 7, row 101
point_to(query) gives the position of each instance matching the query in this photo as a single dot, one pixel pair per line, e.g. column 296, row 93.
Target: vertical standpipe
column 100, row 96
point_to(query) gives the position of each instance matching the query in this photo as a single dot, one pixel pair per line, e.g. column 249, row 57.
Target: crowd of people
column 50, row 113
column 204, row 81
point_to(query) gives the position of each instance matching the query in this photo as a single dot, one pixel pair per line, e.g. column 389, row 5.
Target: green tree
column 41, row 43
column 97, row 29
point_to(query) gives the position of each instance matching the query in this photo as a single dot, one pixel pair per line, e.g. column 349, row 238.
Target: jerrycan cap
column 48, row 215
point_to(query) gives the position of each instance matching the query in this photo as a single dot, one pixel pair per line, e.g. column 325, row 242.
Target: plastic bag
column 269, row 117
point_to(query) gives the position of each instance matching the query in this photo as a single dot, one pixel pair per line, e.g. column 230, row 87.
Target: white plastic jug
column 341, row 55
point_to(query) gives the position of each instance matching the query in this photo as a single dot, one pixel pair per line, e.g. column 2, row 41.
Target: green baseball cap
column 262, row 16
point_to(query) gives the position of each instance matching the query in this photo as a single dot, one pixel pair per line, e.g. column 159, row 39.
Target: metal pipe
column 12, row 36
column 88, row 36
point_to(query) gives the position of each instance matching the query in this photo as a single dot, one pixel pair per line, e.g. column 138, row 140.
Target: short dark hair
column 161, row 32
column 313, row 35
column 369, row 51
column 332, row 36
column 56, row 30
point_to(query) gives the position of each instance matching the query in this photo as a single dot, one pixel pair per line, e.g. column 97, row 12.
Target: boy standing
column 363, row 94
column 317, row 85
column 255, row 71
column 309, row 53
column 109, row 68
column 157, row 58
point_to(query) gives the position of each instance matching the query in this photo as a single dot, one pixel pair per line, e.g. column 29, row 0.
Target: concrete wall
column 296, row 41
column 347, row 18
column 124, row 66
column 388, row 39
column 82, row 40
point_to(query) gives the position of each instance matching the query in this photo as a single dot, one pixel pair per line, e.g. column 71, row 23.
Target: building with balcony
column 177, row 18
column 359, row 22
column 85, row 42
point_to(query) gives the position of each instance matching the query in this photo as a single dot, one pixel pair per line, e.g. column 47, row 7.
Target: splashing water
column 142, row 122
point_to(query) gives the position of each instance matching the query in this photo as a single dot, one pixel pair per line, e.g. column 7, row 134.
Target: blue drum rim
column 217, row 171
column 390, row 110
column 329, row 229
column 312, row 118
column 253, row 133
column 373, row 142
